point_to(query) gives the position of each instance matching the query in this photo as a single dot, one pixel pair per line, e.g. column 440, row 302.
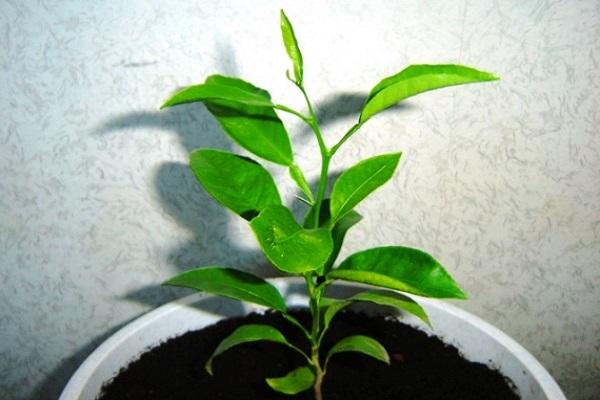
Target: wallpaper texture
column 500, row 181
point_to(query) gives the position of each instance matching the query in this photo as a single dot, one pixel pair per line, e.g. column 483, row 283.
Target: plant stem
column 325, row 157
column 315, row 293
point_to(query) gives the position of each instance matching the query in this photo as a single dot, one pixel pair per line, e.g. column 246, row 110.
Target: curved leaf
column 359, row 181
column 287, row 245
column 401, row 268
column 237, row 182
column 417, row 79
column 296, row 381
column 291, row 47
column 232, row 283
column 298, row 177
column 247, row 334
column 257, row 129
column 331, row 311
column 360, row 344
column 338, row 231
column 219, row 89
column 393, row 299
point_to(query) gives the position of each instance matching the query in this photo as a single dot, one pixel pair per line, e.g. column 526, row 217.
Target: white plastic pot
column 475, row 338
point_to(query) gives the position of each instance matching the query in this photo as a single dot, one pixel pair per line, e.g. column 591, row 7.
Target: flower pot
column 475, row 338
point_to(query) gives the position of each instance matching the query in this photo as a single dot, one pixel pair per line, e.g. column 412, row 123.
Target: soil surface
column 422, row 367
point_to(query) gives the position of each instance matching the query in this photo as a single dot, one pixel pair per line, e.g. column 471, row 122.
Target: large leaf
column 417, row 79
column 247, row 116
column 291, row 47
column 232, row 283
column 247, row 334
column 401, row 268
column 287, row 245
column 296, row 381
column 359, row 181
column 360, row 344
column 237, row 182
column 257, row 129
column 338, row 231
column 220, row 89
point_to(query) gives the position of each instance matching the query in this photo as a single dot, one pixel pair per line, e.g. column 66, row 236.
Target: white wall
column 501, row 181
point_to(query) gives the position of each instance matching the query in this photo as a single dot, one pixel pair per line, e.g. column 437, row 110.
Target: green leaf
column 247, row 334
column 291, row 47
column 417, row 79
column 287, row 245
column 338, row 232
column 231, row 283
column 257, row 129
column 381, row 297
column 401, row 268
column 359, row 181
column 361, row 344
column 331, row 310
column 237, row 182
column 298, row 177
column 397, row 300
column 220, row 89
column 296, row 381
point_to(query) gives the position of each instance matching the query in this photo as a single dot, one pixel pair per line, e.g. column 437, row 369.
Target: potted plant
column 308, row 249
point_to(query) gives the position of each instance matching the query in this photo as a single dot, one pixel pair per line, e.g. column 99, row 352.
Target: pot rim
column 549, row 386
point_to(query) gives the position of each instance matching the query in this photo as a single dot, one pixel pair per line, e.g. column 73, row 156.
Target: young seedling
column 309, row 249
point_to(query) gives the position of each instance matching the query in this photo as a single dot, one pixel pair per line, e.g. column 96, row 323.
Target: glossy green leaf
column 287, row 245
column 359, row 181
column 237, row 182
column 291, row 47
column 296, row 381
column 220, row 89
column 338, row 231
column 231, row 283
column 417, row 79
column 393, row 299
column 331, row 310
column 298, row 177
column 360, row 344
column 257, row 129
column 401, row 268
column 381, row 297
column 247, row 334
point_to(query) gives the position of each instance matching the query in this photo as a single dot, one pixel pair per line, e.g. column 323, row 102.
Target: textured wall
column 500, row 181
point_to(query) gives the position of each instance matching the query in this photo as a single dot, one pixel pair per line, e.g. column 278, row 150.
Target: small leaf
column 331, row 310
column 359, row 181
column 401, row 268
column 397, row 300
column 417, row 79
column 287, row 245
column 237, row 182
column 291, row 47
column 231, row 283
column 247, row 334
column 339, row 230
column 296, row 381
column 361, row 344
column 298, row 177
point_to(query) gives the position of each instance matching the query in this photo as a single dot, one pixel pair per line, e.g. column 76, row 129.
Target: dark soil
column 422, row 367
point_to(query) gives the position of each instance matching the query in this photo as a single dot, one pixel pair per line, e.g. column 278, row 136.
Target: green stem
column 325, row 157
column 347, row 136
column 292, row 111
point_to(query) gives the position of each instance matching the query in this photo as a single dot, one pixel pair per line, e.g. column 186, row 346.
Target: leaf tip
column 208, row 367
